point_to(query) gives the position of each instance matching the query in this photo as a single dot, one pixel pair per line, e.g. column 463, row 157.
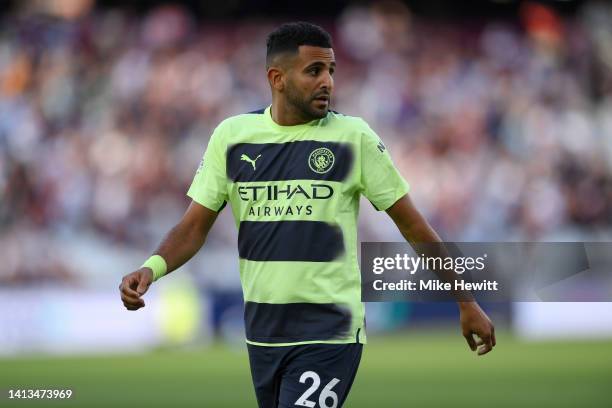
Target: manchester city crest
column 321, row 160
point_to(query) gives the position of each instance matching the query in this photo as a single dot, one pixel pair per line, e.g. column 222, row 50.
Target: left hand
column 474, row 321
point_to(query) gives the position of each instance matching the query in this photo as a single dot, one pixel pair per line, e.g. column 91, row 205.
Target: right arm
column 178, row 246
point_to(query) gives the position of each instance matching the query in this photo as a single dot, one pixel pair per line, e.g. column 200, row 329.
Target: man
column 293, row 173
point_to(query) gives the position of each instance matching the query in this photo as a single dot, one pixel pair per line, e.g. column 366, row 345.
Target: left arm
column 415, row 229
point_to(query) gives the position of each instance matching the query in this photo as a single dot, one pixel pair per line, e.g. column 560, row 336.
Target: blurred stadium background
column 498, row 113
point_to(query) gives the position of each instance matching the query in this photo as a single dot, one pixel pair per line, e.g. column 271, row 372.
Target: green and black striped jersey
column 294, row 193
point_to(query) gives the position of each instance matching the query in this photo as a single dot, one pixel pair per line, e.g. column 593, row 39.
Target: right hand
column 133, row 286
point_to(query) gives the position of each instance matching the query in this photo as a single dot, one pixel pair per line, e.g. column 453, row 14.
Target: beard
column 307, row 107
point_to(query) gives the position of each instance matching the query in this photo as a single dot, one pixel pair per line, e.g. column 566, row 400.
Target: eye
column 314, row 71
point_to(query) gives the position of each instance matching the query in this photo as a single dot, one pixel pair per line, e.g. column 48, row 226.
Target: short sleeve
column 209, row 185
column 381, row 182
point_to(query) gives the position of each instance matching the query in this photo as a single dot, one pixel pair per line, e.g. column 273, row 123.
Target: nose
column 327, row 82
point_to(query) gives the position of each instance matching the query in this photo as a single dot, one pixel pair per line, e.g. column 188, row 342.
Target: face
column 309, row 81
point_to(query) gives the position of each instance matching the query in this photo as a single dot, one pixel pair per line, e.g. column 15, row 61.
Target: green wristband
column 158, row 266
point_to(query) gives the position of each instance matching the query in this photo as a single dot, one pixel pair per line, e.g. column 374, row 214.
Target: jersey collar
column 292, row 128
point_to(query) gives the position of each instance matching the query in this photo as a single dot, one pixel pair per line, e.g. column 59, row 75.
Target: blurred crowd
column 502, row 128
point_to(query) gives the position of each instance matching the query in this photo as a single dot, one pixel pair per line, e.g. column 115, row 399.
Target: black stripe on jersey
column 291, row 322
column 222, row 206
column 286, row 161
column 306, row 241
column 257, row 112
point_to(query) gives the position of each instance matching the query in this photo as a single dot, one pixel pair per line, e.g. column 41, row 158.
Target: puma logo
column 248, row 159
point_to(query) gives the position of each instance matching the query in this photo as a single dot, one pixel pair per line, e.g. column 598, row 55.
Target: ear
column 276, row 78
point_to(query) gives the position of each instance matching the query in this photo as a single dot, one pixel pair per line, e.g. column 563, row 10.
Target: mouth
column 322, row 99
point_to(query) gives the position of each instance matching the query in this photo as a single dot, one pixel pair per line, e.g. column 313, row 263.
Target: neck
column 285, row 114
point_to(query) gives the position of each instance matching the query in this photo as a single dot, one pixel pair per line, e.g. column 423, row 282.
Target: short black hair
column 288, row 37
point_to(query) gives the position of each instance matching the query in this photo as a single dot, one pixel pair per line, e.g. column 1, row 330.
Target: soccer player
column 293, row 174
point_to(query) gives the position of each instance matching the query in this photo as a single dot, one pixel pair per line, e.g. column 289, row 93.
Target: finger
column 139, row 303
column 131, row 295
column 142, row 286
column 131, row 299
column 487, row 344
column 486, row 338
column 131, row 307
column 484, row 349
column 479, row 342
column 470, row 341
column 132, row 302
column 493, row 336
column 127, row 290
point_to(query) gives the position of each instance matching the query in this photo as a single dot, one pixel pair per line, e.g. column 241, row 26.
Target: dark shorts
column 310, row 375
